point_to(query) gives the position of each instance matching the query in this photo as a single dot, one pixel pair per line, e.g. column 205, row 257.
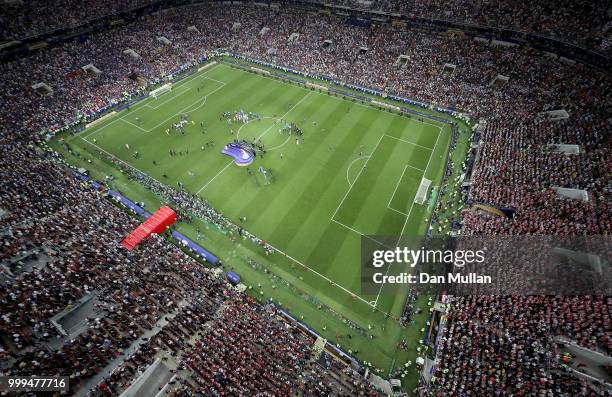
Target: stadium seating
column 73, row 231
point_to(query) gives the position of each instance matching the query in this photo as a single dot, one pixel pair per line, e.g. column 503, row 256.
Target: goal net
column 421, row 195
column 161, row 90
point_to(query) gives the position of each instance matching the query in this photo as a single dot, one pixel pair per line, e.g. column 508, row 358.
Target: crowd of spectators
column 518, row 168
column 189, row 205
column 506, row 345
column 493, row 345
column 21, row 19
column 282, row 365
column 145, row 301
column 585, row 23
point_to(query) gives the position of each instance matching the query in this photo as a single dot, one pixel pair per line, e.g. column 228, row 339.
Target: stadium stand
column 583, row 23
column 72, row 232
column 21, row 19
column 580, row 23
column 496, row 345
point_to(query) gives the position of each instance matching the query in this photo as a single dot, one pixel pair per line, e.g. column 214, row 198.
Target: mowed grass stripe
column 235, row 188
column 179, row 102
column 155, row 145
column 328, row 242
column 287, row 169
column 406, row 190
column 366, row 202
column 314, row 177
column 238, row 98
column 294, row 213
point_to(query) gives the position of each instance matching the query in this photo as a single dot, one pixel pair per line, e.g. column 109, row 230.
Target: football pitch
column 355, row 172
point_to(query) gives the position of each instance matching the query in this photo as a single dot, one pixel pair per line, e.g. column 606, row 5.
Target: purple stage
column 242, row 154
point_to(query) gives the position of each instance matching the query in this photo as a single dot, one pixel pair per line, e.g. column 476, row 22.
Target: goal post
column 421, row 194
column 161, row 90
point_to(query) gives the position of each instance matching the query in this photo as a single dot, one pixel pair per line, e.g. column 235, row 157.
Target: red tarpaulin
column 157, row 223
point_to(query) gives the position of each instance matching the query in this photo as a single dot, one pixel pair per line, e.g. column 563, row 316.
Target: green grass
column 355, row 172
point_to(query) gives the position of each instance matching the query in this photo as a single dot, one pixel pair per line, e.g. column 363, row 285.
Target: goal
column 421, row 194
column 161, row 90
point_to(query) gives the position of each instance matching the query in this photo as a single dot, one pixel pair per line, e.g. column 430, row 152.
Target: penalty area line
column 357, row 177
column 359, row 233
column 142, row 104
column 433, row 150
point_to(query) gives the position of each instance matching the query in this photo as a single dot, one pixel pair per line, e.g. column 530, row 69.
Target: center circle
column 268, row 129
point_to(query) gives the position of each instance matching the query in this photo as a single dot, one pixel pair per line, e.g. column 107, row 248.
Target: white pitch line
column 118, row 159
column 215, row 177
column 357, row 177
column 143, row 103
column 283, row 116
column 328, row 279
column 399, row 212
column 349, row 168
column 358, row 232
column 415, row 168
column 182, row 111
column 162, row 103
column 409, row 211
column 397, row 185
column 411, row 143
column 222, row 82
column 133, row 125
column 263, row 133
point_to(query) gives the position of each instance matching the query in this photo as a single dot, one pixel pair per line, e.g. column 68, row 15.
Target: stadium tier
column 198, row 198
